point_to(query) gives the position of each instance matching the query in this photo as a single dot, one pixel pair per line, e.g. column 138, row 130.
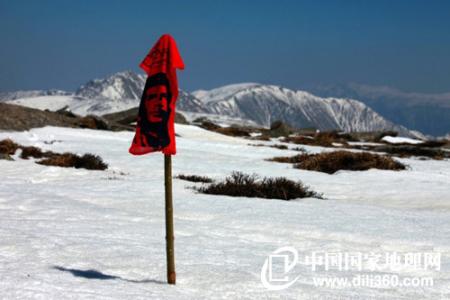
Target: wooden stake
column 170, row 251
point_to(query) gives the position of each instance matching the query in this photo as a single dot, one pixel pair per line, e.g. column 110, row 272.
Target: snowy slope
column 57, row 223
column 77, row 104
column 400, row 140
column 4, row 96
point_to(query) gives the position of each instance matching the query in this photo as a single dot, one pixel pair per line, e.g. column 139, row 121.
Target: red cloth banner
column 156, row 117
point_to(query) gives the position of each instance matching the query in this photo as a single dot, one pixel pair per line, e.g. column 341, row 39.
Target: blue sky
column 62, row 44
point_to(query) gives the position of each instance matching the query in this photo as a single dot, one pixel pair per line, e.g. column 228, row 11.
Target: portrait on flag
column 155, row 122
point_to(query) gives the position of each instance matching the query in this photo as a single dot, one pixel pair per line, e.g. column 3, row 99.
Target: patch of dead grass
column 49, row 158
column 194, row 178
column 244, row 185
column 331, row 162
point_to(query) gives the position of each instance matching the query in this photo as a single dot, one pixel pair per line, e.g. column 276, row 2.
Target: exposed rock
column 93, row 122
column 180, row 119
column 15, row 117
column 279, row 128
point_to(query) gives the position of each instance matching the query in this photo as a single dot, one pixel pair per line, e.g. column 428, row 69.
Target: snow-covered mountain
column 4, row 96
column 119, row 86
column 114, row 93
column 266, row 103
column 426, row 112
column 257, row 103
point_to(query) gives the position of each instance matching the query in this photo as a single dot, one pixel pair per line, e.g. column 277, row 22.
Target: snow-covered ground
column 401, row 140
column 58, row 223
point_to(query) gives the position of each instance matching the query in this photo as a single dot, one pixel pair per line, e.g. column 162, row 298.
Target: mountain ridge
column 258, row 103
column 429, row 113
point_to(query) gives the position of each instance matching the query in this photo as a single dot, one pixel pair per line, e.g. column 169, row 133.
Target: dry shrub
column 289, row 159
column 244, row 185
column 194, row 178
column 304, row 140
column 90, row 162
column 432, row 144
column 277, row 146
column 412, row 150
column 406, row 151
column 28, row 151
column 232, row 131
column 60, row 160
column 8, row 147
column 331, row 162
column 262, row 137
column 323, row 139
column 87, row 161
column 93, row 122
column 208, row 125
column 68, row 160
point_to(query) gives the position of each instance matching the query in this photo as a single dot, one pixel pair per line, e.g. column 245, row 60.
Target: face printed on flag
column 154, row 113
column 155, row 122
column 156, row 103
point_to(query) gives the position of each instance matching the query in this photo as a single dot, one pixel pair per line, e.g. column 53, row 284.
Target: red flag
column 155, row 122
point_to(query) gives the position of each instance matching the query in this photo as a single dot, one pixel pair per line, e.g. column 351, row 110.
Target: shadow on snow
column 94, row 274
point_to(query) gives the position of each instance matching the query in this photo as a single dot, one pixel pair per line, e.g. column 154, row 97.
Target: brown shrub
column 262, row 137
column 331, row 162
column 304, row 140
column 232, row 131
column 405, row 151
column 8, row 147
column 289, row 159
column 28, row 151
column 277, row 146
column 60, row 160
column 93, row 122
column 91, row 162
column 194, row 178
column 412, row 150
column 87, row 161
column 323, row 139
column 208, row 125
column 244, row 185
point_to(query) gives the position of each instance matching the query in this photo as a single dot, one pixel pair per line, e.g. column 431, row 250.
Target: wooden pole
column 170, row 251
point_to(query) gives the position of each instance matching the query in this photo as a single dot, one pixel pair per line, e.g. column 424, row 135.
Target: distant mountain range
column 250, row 102
column 428, row 113
column 264, row 104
